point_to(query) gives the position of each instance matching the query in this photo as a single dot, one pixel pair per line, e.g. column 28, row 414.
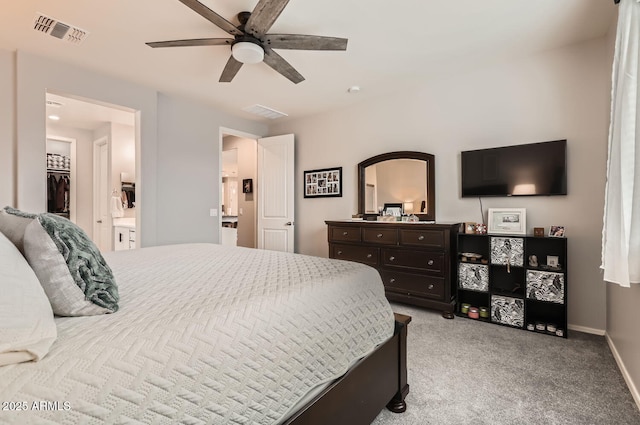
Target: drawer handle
column 392, row 280
column 392, row 258
column 421, row 237
column 369, row 255
column 430, row 286
column 339, row 252
column 345, row 233
column 430, row 262
column 379, row 235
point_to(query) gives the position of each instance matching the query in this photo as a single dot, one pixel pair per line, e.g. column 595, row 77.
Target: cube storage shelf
column 517, row 293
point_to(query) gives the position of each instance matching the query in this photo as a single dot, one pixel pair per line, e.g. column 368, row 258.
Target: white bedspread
column 205, row 334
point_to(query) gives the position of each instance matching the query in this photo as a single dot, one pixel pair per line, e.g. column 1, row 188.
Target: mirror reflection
column 396, row 181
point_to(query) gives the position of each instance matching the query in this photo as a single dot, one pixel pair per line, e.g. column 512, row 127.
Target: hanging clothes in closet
column 58, row 184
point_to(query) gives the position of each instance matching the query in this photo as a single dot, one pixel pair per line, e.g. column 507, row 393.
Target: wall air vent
column 57, row 29
column 265, row 112
column 54, row 104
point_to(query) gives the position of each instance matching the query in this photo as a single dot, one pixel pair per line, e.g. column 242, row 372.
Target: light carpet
column 463, row 371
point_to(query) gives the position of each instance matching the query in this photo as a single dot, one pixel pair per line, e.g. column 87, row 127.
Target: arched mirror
column 404, row 180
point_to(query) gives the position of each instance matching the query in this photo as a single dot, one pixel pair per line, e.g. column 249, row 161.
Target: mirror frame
column 430, row 214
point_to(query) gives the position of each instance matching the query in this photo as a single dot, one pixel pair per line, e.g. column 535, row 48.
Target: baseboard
column 586, row 329
column 627, row 378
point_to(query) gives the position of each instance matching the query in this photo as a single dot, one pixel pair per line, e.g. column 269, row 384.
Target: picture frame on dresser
column 507, row 221
column 323, row 183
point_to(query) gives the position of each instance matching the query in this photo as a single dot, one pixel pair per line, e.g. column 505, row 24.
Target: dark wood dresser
column 414, row 259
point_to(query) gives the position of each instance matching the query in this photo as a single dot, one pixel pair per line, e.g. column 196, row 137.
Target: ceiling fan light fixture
column 247, row 52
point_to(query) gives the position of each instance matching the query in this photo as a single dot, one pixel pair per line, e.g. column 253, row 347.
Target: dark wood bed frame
column 376, row 381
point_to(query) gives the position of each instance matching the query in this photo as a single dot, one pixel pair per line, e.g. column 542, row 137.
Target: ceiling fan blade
column 263, row 16
column 211, row 16
column 230, row 70
column 276, row 62
column 192, row 42
column 305, row 42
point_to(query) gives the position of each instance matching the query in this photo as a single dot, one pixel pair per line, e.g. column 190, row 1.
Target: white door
column 276, row 193
column 101, row 217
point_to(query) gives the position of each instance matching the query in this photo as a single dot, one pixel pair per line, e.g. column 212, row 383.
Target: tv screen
column 520, row 170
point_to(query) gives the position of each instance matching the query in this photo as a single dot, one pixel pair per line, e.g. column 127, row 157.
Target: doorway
column 105, row 162
column 237, row 189
column 266, row 188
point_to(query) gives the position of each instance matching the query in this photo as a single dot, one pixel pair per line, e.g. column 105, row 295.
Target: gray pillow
column 73, row 273
column 13, row 223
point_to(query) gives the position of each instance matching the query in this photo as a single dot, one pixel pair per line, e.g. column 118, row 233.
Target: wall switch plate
column 240, row 211
column 213, row 212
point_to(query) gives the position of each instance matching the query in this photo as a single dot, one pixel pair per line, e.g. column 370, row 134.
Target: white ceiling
column 392, row 45
column 77, row 113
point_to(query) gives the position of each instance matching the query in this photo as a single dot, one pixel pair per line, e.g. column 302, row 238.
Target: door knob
column 379, row 235
column 430, row 286
column 289, row 223
column 421, row 237
column 430, row 262
column 369, row 255
column 99, row 221
column 392, row 280
column 345, row 233
column 392, row 258
column 339, row 252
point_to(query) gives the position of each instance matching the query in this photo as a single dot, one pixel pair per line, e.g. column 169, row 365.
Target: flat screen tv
column 520, row 170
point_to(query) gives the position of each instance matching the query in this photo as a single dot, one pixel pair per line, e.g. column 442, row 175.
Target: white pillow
column 73, row 273
column 27, row 328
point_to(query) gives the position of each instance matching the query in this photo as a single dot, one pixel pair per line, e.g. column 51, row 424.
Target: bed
column 209, row 334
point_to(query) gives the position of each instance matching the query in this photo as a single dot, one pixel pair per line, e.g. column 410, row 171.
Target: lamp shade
column 408, row 207
column 247, row 52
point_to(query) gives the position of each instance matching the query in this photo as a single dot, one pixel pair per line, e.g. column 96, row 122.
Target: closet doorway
column 96, row 201
column 61, row 176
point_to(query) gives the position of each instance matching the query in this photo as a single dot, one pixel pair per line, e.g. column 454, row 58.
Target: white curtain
column 621, row 230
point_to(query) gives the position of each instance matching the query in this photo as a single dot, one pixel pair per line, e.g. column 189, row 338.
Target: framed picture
column 394, row 209
column 470, row 227
column 552, row 261
column 556, row 231
column 508, row 221
column 323, row 183
column 247, row 185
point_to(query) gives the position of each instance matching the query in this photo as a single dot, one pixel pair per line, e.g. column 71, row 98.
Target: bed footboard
column 376, row 381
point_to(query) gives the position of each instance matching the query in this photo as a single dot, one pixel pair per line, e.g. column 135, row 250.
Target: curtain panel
column 621, row 227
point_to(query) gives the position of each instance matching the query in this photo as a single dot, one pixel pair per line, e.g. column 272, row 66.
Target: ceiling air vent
column 263, row 111
column 57, row 29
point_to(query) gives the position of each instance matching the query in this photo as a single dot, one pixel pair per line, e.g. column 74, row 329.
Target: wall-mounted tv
column 520, row 170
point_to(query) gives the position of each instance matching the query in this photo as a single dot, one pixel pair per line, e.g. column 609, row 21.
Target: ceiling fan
column 251, row 43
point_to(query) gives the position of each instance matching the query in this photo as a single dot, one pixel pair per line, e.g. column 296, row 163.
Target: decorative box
column 507, row 310
column 545, row 286
column 474, row 277
column 507, row 251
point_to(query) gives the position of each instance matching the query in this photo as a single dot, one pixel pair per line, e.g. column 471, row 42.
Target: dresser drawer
column 433, row 262
column 413, row 284
column 381, row 236
column 344, row 234
column 423, row 238
column 361, row 254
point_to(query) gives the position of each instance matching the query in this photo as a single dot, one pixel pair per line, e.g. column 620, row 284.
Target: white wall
column 188, row 155
column 7, row 128
column 558, row 94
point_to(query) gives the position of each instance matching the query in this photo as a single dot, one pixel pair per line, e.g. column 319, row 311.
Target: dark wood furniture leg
column 359, row 395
